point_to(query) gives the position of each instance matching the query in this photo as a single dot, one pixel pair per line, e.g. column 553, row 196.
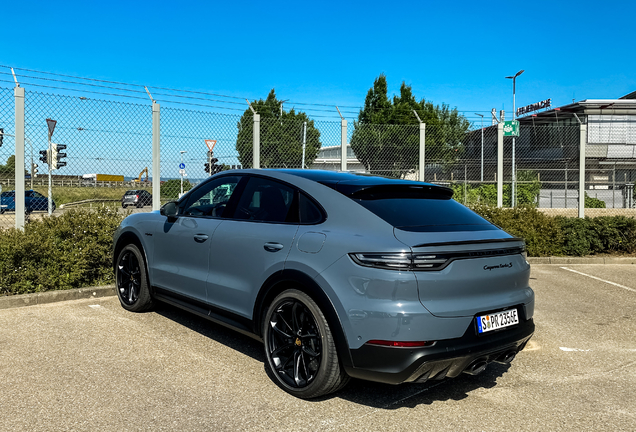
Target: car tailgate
column 466, row 273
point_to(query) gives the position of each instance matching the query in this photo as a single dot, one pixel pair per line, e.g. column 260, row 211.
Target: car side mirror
column 170, row 210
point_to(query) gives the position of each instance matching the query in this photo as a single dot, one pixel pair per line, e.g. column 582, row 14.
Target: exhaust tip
column 476, row 367
column 506, row 358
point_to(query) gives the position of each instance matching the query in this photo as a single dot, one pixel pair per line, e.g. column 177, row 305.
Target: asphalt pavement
column 88, row 364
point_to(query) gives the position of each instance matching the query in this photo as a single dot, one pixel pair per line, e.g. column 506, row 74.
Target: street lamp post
column 514, row 172
column 181, row 170
column 482, row 146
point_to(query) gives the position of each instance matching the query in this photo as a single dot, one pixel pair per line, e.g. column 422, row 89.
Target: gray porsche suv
column 340, row 275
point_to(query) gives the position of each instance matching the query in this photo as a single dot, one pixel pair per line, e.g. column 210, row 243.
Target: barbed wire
column 293, row 103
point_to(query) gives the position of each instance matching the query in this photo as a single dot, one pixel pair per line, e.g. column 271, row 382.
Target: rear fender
column 288, row 279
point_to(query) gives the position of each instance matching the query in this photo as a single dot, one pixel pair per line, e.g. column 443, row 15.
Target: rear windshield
column 430, row 212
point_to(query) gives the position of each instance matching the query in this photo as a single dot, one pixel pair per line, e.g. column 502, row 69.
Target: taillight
column 399, row 344
column 136, row 197
column 423, row 261
column 401, row 260
column 388, row 260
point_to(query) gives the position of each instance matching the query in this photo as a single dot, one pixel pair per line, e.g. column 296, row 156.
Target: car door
column 251, row 245
column 182, row 248
column 28, row 201
column 38, row 202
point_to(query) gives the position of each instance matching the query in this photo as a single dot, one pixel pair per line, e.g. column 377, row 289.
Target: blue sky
column 330, row 52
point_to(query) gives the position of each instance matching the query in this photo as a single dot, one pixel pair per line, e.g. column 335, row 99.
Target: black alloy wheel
column 300, row 350
column 132, row 280
column 294, row 342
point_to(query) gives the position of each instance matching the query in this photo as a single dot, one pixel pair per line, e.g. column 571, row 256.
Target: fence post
column 500, row 165
column 156, row 156
column 257, row 141
column 422, row 152
column 19, row 158
column 582, row 144
column 343, row 144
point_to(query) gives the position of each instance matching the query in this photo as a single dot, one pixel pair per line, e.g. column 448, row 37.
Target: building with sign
column 548, row 147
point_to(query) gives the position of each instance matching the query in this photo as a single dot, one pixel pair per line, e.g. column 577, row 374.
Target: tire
column 131, row 279
column 300, row 351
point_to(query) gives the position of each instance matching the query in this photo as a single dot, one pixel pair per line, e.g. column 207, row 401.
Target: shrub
column 606, row 234
column 486, row 194
column 578, row 238
column 72, row 250
column 591, row 202
column 542, row 233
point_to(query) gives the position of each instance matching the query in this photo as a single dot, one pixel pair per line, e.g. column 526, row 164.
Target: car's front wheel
column 131, row 277
column 299, row 347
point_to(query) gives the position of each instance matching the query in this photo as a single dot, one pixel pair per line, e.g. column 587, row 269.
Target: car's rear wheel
column 132, row 280
column 299, row 347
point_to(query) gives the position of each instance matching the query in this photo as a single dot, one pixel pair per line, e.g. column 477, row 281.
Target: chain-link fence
column 611, row 161
column 109, row 147
column 7, row 155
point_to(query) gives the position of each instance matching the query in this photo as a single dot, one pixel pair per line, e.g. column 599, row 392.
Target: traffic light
column 1, row 136
column 34, row 170
column 56, row 163
column 44, row 157
column 211, row 167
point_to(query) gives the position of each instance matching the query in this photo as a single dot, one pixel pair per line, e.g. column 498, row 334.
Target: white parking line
column 599, row 279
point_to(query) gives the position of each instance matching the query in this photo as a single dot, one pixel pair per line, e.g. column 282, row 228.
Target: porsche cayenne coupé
column 340, row 275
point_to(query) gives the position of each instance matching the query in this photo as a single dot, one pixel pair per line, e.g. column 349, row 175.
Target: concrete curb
column 7, row 302
column 582, row 260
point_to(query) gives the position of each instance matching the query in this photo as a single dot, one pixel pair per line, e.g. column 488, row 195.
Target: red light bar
column 401, row 344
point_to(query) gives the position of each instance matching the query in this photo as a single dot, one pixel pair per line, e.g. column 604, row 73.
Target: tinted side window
column 265, row 200
column 309, row 212
column 38, row 195
column 212, row 199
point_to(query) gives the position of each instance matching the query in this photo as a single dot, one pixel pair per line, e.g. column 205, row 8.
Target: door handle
column 273, row 247
column 200, row 238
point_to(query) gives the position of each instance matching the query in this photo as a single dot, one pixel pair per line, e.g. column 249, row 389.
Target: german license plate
column 495, row 321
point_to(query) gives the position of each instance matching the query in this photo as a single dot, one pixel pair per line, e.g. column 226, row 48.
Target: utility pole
column 514, row 170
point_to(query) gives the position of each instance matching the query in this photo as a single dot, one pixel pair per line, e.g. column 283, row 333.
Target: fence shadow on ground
column 376, row 395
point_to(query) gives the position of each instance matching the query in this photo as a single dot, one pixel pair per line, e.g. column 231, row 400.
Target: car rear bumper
column 446, row 359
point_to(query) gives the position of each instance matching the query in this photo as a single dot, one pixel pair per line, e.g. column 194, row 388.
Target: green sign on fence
column 511, row 128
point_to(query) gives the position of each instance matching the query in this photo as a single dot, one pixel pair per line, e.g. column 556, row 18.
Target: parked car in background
column 339, row 274
column 137, row 198
column 33, row 201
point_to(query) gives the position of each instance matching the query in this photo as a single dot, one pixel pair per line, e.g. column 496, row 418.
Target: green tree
column 8, row 170
column 170, row 189
column 386, row 136
column 281, row 135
